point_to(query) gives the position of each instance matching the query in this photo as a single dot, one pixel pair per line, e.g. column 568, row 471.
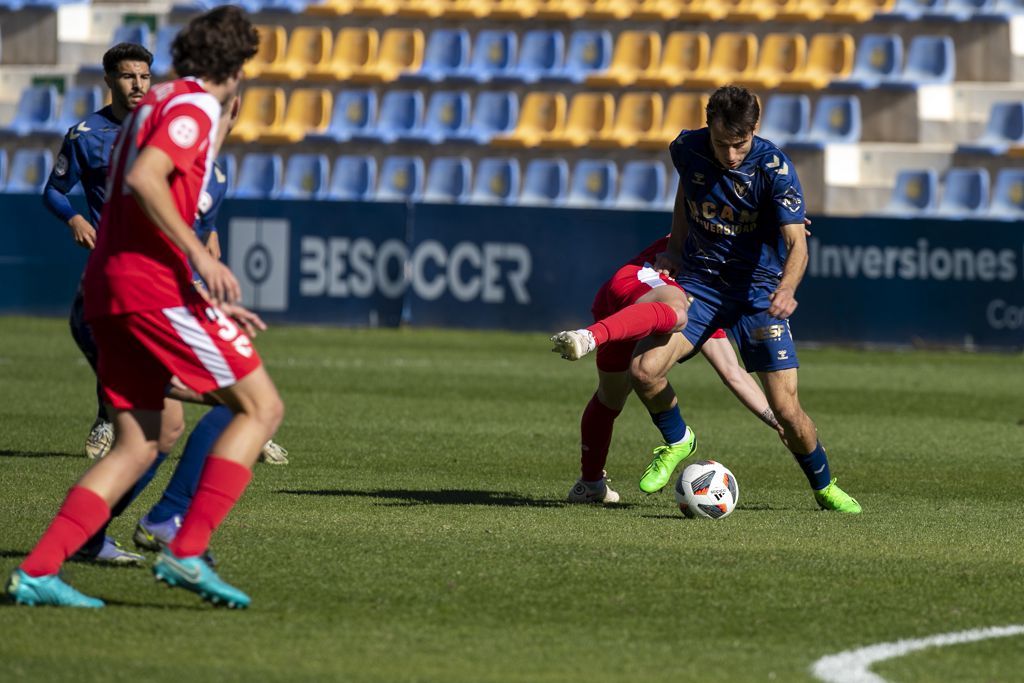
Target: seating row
column 963, row 193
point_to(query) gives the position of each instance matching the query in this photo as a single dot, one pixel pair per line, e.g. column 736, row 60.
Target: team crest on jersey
column 184, row 131
column 792, row 200
column 61, row 167
column 740, row 188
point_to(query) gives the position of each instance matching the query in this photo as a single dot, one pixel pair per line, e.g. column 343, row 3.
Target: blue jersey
column 734, row 245
column 84, row 157
column 209, row 203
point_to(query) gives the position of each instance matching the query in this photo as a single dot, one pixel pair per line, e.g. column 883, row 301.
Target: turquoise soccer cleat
column 193, row 574
column 46, row 590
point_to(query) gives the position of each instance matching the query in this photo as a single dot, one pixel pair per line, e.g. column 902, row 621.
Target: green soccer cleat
column 834, row 498
column 193, row 574
column 666, row 457
column 46, row 590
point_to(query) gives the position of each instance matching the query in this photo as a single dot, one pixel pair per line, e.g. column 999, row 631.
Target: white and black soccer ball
column 707, row 489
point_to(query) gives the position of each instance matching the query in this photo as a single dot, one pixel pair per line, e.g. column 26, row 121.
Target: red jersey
column 650, row 254
column 135, row 267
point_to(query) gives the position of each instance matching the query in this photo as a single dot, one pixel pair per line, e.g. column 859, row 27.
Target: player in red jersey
column 152, row 324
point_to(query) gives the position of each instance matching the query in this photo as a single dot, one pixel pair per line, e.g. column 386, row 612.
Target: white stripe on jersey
column 190, row 331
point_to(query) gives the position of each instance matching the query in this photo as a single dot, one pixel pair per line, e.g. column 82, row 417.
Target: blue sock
column 815, row 467
column 670, row 424
column 182, row 486
column 96, row 542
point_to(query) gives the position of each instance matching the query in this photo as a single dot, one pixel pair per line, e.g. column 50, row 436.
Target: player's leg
column 101, row 434
column 720, row 354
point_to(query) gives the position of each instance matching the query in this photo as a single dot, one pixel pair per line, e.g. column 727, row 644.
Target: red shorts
column 624, row 288
column 140, row 352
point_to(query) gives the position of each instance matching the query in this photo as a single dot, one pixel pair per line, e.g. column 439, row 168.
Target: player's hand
column 807, row 221
column 213, row 245
column 82, row 232
column 783, row 303
column 249, row 321
column 668, row 263
column 220, row 282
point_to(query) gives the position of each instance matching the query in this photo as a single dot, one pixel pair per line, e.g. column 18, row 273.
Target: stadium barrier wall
column 869, row 280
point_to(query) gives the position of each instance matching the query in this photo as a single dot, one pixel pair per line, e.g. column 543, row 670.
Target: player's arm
column 720, row 355
column 784, row 297
column 65, row 175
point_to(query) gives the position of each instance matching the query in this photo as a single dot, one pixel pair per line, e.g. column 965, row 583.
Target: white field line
column 852, row 666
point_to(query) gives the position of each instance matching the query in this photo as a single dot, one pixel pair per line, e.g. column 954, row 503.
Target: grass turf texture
column 419, row 533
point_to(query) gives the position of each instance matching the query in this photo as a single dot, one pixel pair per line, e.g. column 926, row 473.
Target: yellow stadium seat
column 401, row 49
column 262, row 108
column 273, row 40
column 858, row 11
column 685, row 53
column 637, row 114
column 308, row 48
column 683, row 111
column 798, row 10
column 542, row 114
column 560, row 9
column 427, row 9
column 781, row 55
column 309, row 111
column 749, row 10
column 375, row 8
column 733, row 56
column 636, row 54
column 590, row 115
column 329, row 8
column 701, row 10
column 655, row 10
column 829, row 57
column 466, row 9
column 609, row 9
column 513, row 9
column 354, row 48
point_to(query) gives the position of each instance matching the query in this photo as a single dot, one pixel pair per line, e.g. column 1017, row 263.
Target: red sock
column 81, row 516
column 595, row 437
column 220, row 486
column 635, row 322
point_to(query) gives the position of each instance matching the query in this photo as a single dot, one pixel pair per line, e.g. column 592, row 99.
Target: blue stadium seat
column 541, row 53
column 1003, row 9
column 879, row 57
column 496, row 181
column 1005, row 127
column 354, row 178
column 641, row 185
column 447, row 117
column 29, row 170
column 447, row 52
column 259, row 177
column 589, row 52
column 930, row 59
column 79, row 101
column 593, row 183
column 162, row 63
column 289, row 6
column 1008, row 195
column 401, row 179
column 836, row 119
column 305, row 177
column 786, row 118
column 448, row 180
column 3, row 168
column 962, row 10
column 913, row 10
column 135, row 32
column 355, row 112
column 545, row 182
column 400, row 112
column 916, row 193
column 965, row 193
column 494, row 53
column 494, row 113
column 36, row 112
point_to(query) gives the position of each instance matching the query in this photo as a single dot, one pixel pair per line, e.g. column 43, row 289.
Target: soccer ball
column 707, row 489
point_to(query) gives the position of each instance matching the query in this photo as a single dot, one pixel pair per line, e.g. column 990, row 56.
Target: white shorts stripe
column 650, row 277
column 199, row 341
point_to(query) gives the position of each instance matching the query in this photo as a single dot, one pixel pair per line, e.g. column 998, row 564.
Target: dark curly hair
column 735, row 108
column 125, row 52
column 215, row 45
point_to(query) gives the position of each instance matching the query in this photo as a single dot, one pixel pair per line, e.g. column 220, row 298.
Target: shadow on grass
column 7, row 453
column 198, row 606
column 13, row 553
column 442, row 497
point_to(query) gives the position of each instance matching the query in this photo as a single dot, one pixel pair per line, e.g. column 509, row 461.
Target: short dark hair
column 215, row 45
column 125, row 52
column 736, row 108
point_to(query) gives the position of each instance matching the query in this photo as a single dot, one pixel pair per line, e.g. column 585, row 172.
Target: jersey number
column 229, row 332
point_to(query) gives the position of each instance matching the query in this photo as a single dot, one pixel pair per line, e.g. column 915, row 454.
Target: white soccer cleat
column 100, row 439
column 573, row 344
column 273, row 454
column 597, row 492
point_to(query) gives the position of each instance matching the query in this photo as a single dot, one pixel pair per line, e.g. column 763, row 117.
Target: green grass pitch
column 419, row 533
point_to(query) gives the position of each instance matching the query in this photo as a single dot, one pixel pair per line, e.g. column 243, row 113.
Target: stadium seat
column 375, row 8
column 683, row 111
column 29, row 170
column 289, row 6
column 541, row 53
column 401, row 50
column 262, row 109
column 636, row 54
column 494, row 53
column 420, row 9
column 830, row 57
column 1005, row 128
column 879, row 57
column 560, row 10
column 915, row 193
column 401, row 179
column 781, row 56
column 354, row 48
column 496, row 181
column 305, row 177
column 355, row 112
column 309, row 110
column 836, row 119
column 750, row 10
column 912, row 10
column 447, row 52
column 593, row 183
column 655, row 10
column 513, row 9
column 589, row 52
column 401, row 112
column 786, row 118
column 733, row 56
column 494, row 114
column 259, row 176
column 545, row 182
column 590, row 115
column 964, row 193
column 448, row 180
column 135, row 32
column 331, row 8
column 1008, row 195
column 466, row 9
column 542, row 115
column 637, row 114
column 162, row 64
column 610, row 10
column 856, row 11
column 641, row 185
column 3, row 168
column 354, row 178
column 685, row 53
column 799, row 11
column 930, row 59
column 701, row 10
column 79, row 101
column 36, row 111
column 271, row 51
column 309, row 48
column 447, row 117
